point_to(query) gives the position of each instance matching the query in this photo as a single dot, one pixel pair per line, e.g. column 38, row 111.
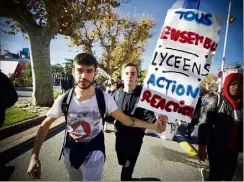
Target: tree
column 121, row 38
column 208, row 81
column 42, row 20
column 68, row 65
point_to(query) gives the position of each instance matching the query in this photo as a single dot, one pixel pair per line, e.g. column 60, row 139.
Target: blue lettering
column 180, row 90
column 191, row 17
column 204, row 19
column 181, row 14
column 207, row 19
column 191, row 92
column 151, row 79
column 158, row 82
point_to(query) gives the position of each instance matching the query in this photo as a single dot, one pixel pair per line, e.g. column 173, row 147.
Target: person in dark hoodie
column 221, row 129
column 129, row 140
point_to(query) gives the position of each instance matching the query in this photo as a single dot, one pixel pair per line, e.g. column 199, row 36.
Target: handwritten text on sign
column 182, row 57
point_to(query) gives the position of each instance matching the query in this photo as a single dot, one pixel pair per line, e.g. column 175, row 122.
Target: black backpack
column 65, row 107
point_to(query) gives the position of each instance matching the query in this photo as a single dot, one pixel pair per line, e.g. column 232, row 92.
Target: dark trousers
column 127, row 154
column 222, row 165
column 190, row 126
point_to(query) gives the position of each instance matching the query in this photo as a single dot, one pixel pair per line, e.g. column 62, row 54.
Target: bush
column 56, row 94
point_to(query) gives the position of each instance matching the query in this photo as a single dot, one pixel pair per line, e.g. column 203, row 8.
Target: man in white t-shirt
column 84, row 154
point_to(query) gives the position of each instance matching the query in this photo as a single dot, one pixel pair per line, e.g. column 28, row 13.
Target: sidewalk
column 24, row 140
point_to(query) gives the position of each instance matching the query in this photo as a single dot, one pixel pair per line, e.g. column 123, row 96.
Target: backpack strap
column 101, row 103
column 65, row 107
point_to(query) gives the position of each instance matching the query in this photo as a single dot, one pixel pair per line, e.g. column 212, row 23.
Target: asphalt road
column 159, row 160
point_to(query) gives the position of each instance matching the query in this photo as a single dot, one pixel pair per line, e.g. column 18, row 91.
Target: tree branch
column 19, row 13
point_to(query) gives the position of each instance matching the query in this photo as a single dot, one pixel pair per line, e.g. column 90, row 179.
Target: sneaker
column 204, row 174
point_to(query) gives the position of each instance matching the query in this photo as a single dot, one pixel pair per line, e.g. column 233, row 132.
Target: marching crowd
column 89, row 105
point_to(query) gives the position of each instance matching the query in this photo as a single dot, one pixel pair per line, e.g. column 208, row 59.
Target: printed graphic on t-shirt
column 81, row 130
column 84, row 125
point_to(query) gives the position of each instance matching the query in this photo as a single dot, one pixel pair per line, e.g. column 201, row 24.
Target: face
column 236, row 88
column 114, row 86
column 129, row 75
column 84, row 75
column 98, row 81
column 118, row 81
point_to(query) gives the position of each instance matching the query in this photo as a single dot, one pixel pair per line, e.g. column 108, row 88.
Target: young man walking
column 84, row 149
column 221, row 129
column 129, row 140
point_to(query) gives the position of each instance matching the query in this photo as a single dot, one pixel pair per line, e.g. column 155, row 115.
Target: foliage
column 42, row 20
column 56, row 94
column 15, row 115
column 122, row 38
column 142, row 75
column 208, row 81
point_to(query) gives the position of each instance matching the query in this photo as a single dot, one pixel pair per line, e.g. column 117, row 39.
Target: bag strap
column 65, row 108
column 101, row 103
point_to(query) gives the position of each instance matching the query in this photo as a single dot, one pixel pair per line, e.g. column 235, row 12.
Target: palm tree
column 68, row 65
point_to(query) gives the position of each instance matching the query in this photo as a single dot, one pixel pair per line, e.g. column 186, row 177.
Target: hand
column 202, row 153
column 161, row 123
column 34, row 169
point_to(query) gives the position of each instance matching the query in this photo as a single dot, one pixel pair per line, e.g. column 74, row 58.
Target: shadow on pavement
column 145, row 179
column 162, row 153
column 6, row 172
column 16, row 151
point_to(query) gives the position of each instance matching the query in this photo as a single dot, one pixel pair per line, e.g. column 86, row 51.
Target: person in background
column 119, row 82
column 98, row 84
column 220, row 133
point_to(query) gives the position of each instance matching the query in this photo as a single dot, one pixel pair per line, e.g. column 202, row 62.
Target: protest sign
column 182, row 57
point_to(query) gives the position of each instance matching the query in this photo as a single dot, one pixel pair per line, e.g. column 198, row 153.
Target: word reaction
column 188, row 37
column 204, row 19
column 156, row 101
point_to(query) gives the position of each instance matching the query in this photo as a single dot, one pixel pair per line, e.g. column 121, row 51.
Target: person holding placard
column 129, row 140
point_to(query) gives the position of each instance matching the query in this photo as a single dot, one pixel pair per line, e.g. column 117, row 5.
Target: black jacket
column 215, row 126
column 127, row 104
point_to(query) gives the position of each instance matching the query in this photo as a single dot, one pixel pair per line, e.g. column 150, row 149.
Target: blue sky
column 158, row 8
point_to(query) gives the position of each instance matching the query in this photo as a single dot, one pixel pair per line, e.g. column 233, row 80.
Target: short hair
column 85, row 58
column 133, row 65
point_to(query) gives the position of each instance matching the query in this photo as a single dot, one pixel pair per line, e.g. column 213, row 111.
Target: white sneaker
column 204, row 174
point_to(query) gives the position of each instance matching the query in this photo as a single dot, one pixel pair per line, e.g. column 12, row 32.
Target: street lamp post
column 224, row 49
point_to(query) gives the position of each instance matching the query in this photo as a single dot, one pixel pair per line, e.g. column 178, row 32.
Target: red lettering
column 183, row 37
column 175, row 34
column 146, row 96
column 214, row 46
column 161, row 104
column 171, row 103
column 154, row 101
column 191, row 37
column 188, row 37
column 165, row 32
column 207, row 43
column 199, row 38
column 189, row 111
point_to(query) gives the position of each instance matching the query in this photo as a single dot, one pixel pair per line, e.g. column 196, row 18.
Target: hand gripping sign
column 182, row 58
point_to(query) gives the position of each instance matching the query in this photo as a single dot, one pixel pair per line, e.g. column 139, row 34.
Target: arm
column 41, row 135
column 34, row 169
column 133, row 122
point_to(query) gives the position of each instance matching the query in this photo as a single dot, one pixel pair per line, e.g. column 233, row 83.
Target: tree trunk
column 41, row 69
